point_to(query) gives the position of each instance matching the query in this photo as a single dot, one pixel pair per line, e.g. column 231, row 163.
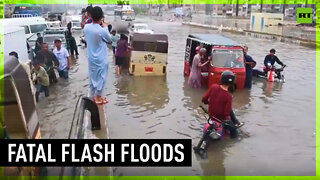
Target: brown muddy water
column 280, row 118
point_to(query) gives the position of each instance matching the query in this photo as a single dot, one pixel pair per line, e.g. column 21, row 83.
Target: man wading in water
column 97, row 36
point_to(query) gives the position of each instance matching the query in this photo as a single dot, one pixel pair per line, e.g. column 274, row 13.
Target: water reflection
column 192, row 96
column 149, row 93
column 271, row 89
column 241, row 98
column 217, row 153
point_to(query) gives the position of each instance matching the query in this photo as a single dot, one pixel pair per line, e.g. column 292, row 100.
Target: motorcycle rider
column 220, row 100
column 270, row 59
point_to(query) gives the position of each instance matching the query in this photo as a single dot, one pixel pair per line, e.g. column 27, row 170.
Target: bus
column 26, row 10
column 124, row 13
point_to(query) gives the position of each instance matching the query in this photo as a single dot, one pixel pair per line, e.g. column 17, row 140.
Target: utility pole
column 237, row 8
column 261, row 6
column 284, row 7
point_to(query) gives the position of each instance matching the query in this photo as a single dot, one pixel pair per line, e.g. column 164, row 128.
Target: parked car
column 141, row 28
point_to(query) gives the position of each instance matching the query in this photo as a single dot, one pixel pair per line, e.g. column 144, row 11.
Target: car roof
column 214, row 39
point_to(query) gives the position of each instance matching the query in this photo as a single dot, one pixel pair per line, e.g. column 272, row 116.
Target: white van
column 15, row 40
column 31, row 25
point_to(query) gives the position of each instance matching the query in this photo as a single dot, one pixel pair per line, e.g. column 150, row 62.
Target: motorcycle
column 213, row 130
column 271, row 73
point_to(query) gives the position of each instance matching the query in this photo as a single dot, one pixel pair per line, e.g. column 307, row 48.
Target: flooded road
column 279, row 135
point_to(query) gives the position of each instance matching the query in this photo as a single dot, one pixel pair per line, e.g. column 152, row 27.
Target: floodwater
column 280, row 118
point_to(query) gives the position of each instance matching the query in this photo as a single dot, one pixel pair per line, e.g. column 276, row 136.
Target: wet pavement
column 279, row 135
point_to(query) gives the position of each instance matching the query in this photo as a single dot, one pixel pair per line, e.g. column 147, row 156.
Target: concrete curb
column 281, row 38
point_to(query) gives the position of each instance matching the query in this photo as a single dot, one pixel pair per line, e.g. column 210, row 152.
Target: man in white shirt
column 63, row 57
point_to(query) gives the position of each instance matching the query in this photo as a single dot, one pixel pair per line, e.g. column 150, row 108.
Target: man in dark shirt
column 39, row 42
column 272, row 58
column 250, row 64
column 48, row 60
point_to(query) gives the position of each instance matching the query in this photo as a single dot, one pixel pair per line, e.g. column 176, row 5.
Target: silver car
column 50, row 38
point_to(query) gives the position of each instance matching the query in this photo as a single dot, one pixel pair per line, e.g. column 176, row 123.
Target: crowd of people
column 98, row 38
column 44, row 65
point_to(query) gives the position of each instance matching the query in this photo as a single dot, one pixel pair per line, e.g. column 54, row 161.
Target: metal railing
column 77, row 127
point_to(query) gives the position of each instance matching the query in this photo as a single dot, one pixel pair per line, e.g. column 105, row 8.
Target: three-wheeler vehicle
column 148, row 55
column 224, row 54
column 18, row 116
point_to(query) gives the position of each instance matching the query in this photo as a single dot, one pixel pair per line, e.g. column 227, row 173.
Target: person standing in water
column 195, row 75
column 97, row 36
column 121, row 53
column 114, row 38
column 250, row 64
column 63, row 57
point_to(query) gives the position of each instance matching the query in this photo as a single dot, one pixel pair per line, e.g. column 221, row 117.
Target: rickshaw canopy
column 214, row 39
column 150, row 42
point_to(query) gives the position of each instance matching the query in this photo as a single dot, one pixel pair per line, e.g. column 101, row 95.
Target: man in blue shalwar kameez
column 97, row 37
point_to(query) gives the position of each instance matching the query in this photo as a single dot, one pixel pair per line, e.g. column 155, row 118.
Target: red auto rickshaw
column 225, row 54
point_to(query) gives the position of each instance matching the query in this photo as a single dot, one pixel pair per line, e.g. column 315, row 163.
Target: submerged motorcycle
column 271, row 73
column 213, row 130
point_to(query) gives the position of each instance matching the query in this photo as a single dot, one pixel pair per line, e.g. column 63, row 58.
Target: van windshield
column 38, row 28
column 227, row 58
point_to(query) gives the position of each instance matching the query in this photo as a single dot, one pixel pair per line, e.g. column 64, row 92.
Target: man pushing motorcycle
column 219, row 100
column 222, row 118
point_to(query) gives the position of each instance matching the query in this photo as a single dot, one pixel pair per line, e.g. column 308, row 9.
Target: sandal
column 104, row 101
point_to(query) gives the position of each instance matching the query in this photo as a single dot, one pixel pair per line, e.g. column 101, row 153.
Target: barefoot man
column 97, row 37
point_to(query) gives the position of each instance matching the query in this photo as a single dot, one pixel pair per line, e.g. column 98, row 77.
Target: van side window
column 26, row 29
